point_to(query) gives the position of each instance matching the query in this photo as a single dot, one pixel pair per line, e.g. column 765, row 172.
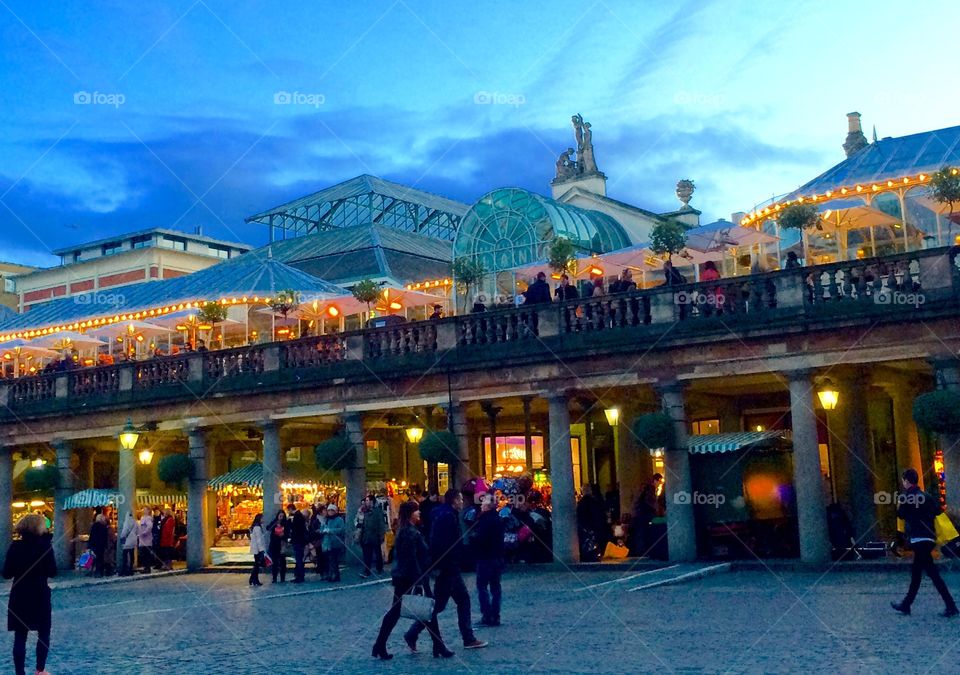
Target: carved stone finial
column 685, row 188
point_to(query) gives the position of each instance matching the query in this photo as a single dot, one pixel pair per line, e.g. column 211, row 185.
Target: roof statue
column 685, row 188
column 585, row 164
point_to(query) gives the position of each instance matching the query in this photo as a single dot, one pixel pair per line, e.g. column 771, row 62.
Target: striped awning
column 250, row 476
column 92, row 498
column 711, row 444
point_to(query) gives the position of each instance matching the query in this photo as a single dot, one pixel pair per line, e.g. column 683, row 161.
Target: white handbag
column 417, row 606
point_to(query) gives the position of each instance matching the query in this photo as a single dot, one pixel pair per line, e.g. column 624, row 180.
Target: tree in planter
column 468, row 272
column 938, row 411
column 668, row 238
column 212, row 313
column 175, row 469
column 655, row 430
column 40, row 478
column 367, row 292
column 944, row 188
column 335, row 454
column 800, row 217
column 561, row 255
column 439, row 447
column 283, row 302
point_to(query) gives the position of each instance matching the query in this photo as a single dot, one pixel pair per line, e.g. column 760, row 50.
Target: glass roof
column 511, row 227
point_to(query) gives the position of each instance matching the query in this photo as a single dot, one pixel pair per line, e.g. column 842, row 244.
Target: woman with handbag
column 278, row 538
column 256, row 548
column 411, row 569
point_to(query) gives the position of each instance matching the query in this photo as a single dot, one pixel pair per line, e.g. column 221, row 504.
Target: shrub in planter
column 938, row 411
column 655, row 430
column 174, row 469
column 334, row 454
column 440, row 446
column 45, row 477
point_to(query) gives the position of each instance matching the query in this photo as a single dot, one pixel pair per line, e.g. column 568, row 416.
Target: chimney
column 736, row 217
column 856, row 141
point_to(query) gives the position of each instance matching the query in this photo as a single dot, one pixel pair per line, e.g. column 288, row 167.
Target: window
column 77, row 255
column 174, row 243
column 373, row 452
column 701, row 427
column 112, row 247
column 143, row 241
column 220, row 251
column 9, row 285
column 511, row 457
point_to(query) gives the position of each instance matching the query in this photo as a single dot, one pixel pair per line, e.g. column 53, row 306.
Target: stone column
column 459, row 470
column 565, row 548
column 808, row 481
column 6, row 498
column 853, row 401
column 355, row 479
column 678, row 482
column 492, row 411
column 272, row 470
column 126, row 492
column 631, row 471
column 527, row 433
column 62, row 522
column 199, row 536
column 905, row 431
column 948, row 377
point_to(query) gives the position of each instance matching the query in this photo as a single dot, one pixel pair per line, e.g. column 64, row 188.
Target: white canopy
column 67, row 339
column 129, row 328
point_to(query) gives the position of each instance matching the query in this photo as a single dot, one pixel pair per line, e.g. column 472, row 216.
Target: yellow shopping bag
column 615, row 551
column 945, row 530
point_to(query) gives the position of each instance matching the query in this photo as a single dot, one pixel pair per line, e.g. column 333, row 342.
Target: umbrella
column 130, row 328
column 721, row 235
column 67, row 339
column 14, row 349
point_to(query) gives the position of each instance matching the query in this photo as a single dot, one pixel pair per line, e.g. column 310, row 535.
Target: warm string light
column 436, row 283
column 762, row 214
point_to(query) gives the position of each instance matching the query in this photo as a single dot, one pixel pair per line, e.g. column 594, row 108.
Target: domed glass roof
column 510, row 227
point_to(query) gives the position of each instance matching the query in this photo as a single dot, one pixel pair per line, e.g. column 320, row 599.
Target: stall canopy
column 250, row 476
column 712, row 444
column 93, row 497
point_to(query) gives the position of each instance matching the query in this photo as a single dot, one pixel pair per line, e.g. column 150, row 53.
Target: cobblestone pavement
column 553, row 621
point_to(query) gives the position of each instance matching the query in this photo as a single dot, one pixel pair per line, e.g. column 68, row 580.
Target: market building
column 788, row 389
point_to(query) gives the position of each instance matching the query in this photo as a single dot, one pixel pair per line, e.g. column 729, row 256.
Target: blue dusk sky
column 119, row 115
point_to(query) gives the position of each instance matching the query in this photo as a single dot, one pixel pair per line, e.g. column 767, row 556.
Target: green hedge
column 440, row 447
column 655, row 430
column 174, row 469
column 938, row 411
column 45, row 477
column 335, row 453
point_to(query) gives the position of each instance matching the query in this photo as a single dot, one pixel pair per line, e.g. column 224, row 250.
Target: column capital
column 671, row 386
column 800, row 374
column 554, row 396
column 59, row 444
column 268, row 424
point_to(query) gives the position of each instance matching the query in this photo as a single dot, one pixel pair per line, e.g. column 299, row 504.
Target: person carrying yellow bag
column 946, row 532
column 919, row 512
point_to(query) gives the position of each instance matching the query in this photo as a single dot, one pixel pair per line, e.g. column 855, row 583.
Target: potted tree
column 800, row 217
column 175, row 469
column 944, row 188
column 655, row 430
column 367, row 292
column 468, row 273
column 668, row 238
column 335, row 454
column 211, row 314
column 561, row 255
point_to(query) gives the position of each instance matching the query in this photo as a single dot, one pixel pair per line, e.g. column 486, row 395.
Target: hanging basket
column 655, row 430
column 938, row 411
column 174, row 469
column 440, row 447
column 335, row 454
column 41, row 478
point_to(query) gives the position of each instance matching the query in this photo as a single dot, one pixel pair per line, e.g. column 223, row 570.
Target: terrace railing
column 888, row 288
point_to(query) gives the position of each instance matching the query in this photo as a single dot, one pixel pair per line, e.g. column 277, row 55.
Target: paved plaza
column 554, row 621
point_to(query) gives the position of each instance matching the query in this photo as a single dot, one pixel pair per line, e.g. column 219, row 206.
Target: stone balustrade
column 883, row 288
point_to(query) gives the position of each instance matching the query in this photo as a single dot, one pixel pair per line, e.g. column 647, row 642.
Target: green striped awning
column 93, row 497
column 250, row 476
column 159, row 500
column 711, row 444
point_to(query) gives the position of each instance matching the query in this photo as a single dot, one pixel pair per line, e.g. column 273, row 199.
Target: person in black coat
column 278, row 530
column 30, row 563
column 411, row 570
column 538, row 292
column 488, row 548
column 298, row 539
column 566, row 291
column 97, row 543
column 919, row 511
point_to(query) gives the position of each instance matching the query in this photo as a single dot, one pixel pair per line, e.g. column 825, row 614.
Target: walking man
column 919, row 511
column 371, row 528
column 446, row 549
column 488, row 549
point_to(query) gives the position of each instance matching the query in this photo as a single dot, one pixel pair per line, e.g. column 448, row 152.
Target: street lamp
column 828, row 395
column 414, row 434
column 129, row 436
column 613, row 416
column 145, row 457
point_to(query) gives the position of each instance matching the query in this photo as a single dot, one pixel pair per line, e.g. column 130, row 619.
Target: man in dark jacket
column 919, row 511
column 446, row 548
column 99, row 534
column 488, row 548
column 566, row 291
column 538, row 292
column 298, row 539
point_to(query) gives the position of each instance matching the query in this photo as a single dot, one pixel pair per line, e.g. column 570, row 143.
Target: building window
column 112, row 247
column 373, row 452
column 220, row 251
column 143, row 241
column 511, row 457
column 175, row 243
column 701, row 427
column 9, row 285
column 77, row 255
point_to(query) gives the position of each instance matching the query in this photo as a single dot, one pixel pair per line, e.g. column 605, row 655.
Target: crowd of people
column 152, row 542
